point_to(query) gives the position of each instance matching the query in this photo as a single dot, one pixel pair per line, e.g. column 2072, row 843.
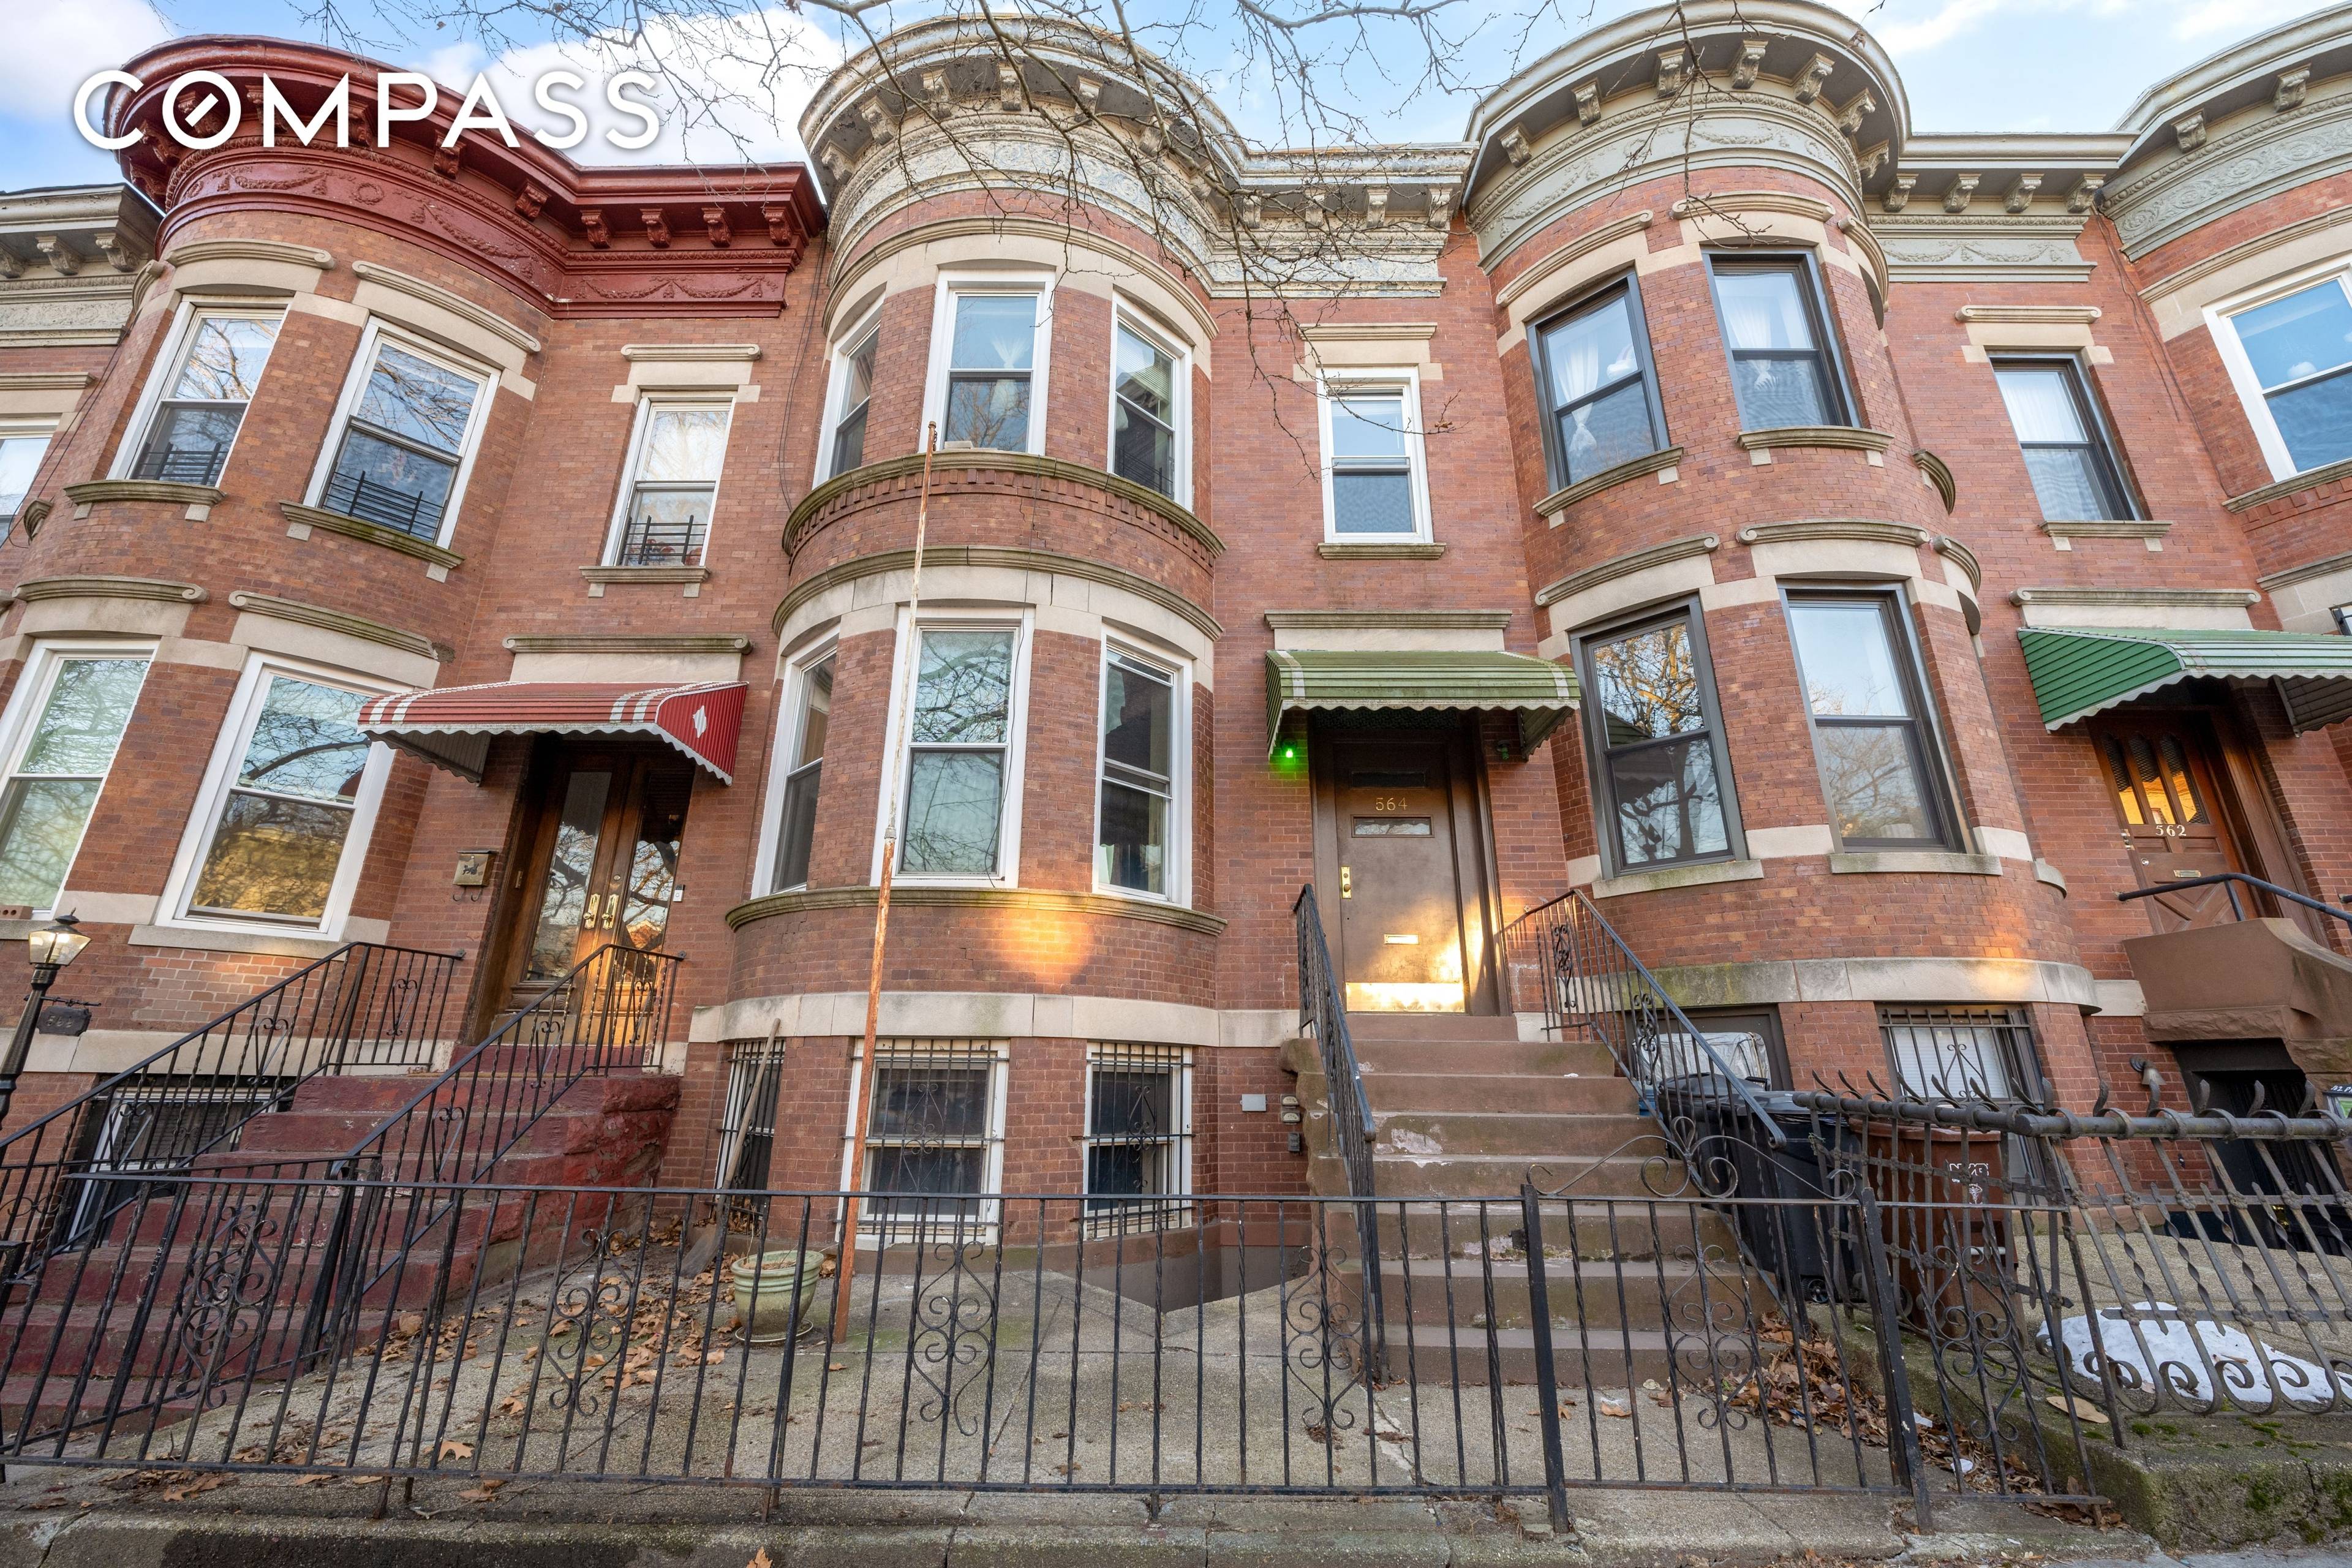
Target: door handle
column 1347, row 883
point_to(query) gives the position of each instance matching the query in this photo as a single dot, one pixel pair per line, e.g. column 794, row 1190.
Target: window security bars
column 1139, row 1139
column 747, row 1126
column 934, row 1138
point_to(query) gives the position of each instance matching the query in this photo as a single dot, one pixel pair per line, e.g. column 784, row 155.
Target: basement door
column 1401, row 865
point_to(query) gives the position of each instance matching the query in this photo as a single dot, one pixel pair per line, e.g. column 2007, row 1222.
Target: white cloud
column 53, row 48
column 728, row 87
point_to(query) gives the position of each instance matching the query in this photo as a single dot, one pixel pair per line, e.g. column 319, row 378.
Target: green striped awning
column 1536, row 689
column 2078, row 672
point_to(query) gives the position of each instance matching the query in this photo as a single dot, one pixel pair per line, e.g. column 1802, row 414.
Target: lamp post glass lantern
column 50, row 948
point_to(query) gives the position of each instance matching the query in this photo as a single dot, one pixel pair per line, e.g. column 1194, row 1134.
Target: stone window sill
column 2293, row 484
column 1679, row 876
column 1662, row 462
column 687, row 579
column 1940, row 861
column 199, row 938
column 2064, row 534
column 1385, row 549
column 199, row 499
column 438, row 562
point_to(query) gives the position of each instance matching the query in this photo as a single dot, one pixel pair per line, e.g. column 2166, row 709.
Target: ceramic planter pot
column 778, row 1294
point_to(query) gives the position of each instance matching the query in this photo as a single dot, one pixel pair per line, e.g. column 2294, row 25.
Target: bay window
column 1782, row 369
column 989, row 395
column 1660, row 772
column 957, row 809
column 77, row 701
column 1138, row 806
column 671, row 485
column 853, row 396
column 196, row 405
column 21, row 450
column 404, row 438
column 804, row 772
column 2293, row 362
column 2066, row 451
column 1601, row 403
column 1879, row 765
column 1147, row 430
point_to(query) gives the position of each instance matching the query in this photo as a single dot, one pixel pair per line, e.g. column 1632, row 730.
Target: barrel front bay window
column 1783, row 369
column 959, row 811
column 1148, row 397
column 196, row 403
column 404, row 437
column 1880, row 765
column 850, row 398
column 987, row 364
column 1661, row 774
column 1598, row 385
column 77, row 700
column 2291, row 355
column 1139, row 813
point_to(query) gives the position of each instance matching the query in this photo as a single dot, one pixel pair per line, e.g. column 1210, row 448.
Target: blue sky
column 1968, row 65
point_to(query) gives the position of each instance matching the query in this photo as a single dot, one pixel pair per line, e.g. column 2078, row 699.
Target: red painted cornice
column 691, row 240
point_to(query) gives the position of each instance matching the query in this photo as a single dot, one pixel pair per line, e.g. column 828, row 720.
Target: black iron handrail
column 1323, row 1015
column 2231, row 881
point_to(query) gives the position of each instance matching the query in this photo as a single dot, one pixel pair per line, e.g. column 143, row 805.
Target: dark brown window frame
column 1645, row 371
column 2106, row 455
column 1597, row 750
column 1828, row 352
column 1930, row 753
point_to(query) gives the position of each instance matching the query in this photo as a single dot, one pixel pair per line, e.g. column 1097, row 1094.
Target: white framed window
column 286, row 807
column 2289, row 353
column 849, row 397
column 23, row 443
column 1139, row 1138
column 193, row 404
column 1375, row 484
column 1150, row 387
column 797, row 770
column 959, row 767
column 63, row 724
column 1141, row 777
column 934, row 1139
column 404, row 435
column 669, row 488
column 990, row 334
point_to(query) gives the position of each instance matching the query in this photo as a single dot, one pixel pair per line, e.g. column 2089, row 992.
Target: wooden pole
column 861, row 1108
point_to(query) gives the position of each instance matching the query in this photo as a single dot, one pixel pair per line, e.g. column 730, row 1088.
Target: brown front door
column 601, row 862
column 2163, row 770
column 1411, row 931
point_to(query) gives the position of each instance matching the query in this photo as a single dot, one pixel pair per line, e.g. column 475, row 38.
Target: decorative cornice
column 1027, row 463
column 1402, row 620
column 688, row 353
column 309, row 256
column 104, row 587
column 1946, row 545
column 457, row 305
column 1868, row 529
column 851, row 266
column 1847, row 437
column 2305, row 573
column 352, row 626
column 96, row 492
column 1017, row 560
column 1939, row 474
column 1982, row 247
column 371, row 533
column 45, row 381
column 2117, row 527
column 1332, row 550
column 2029, row 315
column 1625, row 565
column 1583, row 245
column 2293, row 484
column 2172, row 598
column 625, row 642
column 1754, row 202
column 2230, row 173
column 647, row 574
column 2222, row 260
column 1024, row 901
column 1560, row 501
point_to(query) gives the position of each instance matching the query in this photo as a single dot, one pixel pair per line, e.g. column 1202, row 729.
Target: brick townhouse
column 1853, row 557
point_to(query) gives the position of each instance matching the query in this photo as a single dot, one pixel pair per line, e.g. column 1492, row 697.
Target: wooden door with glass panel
column 1401, row 937
column 604, row 865
column 2161, row 772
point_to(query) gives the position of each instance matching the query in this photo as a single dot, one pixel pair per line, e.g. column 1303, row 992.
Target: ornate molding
column 1625, row 565
column 1946, row 545
column 1560, row 501
column 1015, row 559
column 1788, row 202
column 2119, row 528
column 349, row 625
column 270, row 250
column 2293, row 484
column 45, row 381
column 94, row 492
column 799, row 523
column 1584, row 245
column 371, row 533
column 457, row 305
column 1332, row 550
column 2172, row 598
column 1937, row 247
column 1023, row 901
column 1845, row 438
column 35, row 589
column 851, row 266
column 1872, row 531
column 2229, row 172
column 625, row 642
column 1939, row 474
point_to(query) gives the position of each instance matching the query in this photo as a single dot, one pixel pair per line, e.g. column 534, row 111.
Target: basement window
column 934, row 1140
column 1139, row 1138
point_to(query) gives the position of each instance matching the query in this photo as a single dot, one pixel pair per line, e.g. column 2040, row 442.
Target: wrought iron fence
column 1535, row 1345
column 364, row 1007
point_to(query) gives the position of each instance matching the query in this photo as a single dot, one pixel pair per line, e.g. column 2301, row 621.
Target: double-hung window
column 197, row 404
column 77, row 703
column 1782, row 369
column 1137, row 809
column 1662, row 774
column 673, row 484
column 2067, row 450
column 284, row 824
column 21, row 450
column 1373, row 485
column 1875, row 748
column 804, row 772
column 1146, row 403
column 1594, row 366
column 853, row 397
column 2294, row 368
column 934, row 1138
column 994, row 355
column 1139, row 1138
column 961, row 760
column 404, row 437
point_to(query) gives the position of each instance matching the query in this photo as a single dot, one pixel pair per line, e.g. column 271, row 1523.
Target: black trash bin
column 1795, row 1241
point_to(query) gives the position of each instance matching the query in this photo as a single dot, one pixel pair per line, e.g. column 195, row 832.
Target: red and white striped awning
column 451, row 726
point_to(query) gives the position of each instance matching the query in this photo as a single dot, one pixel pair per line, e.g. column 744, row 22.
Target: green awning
column 2079, row 671
column 1536, row 689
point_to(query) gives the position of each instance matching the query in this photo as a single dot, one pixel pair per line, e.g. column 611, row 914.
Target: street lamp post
column 51, row 948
